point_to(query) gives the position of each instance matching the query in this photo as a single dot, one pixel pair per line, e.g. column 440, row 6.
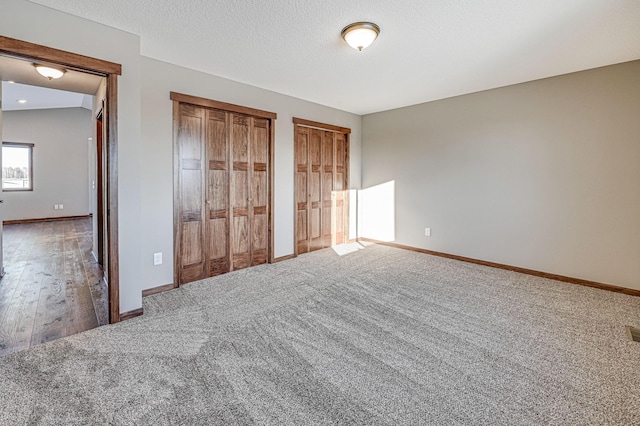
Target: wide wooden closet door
column 321, row 183
column 222, row 191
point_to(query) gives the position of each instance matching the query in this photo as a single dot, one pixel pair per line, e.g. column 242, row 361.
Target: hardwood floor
column 53, row 286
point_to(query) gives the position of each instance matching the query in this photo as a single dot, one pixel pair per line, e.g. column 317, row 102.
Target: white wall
column 157, row 165
column 60, row 156
column 30, row 22
column 543, row 175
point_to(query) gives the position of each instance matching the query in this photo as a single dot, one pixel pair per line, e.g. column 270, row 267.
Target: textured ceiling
column 427, row 49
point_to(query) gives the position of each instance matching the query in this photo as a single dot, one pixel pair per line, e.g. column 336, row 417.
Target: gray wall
column 157, row 165
column 543, row 175
column 60, row 162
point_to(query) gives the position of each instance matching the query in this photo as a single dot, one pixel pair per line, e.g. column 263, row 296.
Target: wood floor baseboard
column 44, row 219
column 571, row 280
column 283, row 258
column 156, row 290
column 131, row 314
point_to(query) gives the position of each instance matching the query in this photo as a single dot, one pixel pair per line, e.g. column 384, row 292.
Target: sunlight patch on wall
column 376, row 207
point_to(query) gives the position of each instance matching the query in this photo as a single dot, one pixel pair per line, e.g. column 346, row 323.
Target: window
column 17, row 166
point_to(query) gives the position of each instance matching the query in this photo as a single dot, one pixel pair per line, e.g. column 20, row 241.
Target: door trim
column 322, row 126
column 210, row 103
column 24, row 50
column 347, row 165
column 180, row 98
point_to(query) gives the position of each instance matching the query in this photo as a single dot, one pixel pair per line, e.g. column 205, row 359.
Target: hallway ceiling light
column 49, row 72
column 360, row 35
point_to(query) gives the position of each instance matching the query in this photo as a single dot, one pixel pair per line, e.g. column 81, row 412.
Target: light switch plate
column 157, row 258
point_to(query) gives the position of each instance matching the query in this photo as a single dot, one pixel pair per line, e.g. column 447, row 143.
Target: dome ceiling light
column 49, row 72
column 360, row 35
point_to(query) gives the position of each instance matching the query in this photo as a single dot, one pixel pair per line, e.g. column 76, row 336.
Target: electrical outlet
column 56, row 207
column 61, row 207
column 427, row 232
column 157, row 259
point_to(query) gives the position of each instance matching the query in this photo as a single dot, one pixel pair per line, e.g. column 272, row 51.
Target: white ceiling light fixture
column 22, row 101
column 49, row 72
column 360, row 35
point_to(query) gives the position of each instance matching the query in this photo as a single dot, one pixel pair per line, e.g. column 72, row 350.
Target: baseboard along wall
column 45, row 219
column 156, row 290
column 571, row 280
column 131, row 314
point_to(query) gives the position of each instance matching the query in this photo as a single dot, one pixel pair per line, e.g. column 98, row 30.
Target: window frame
column 21, row 145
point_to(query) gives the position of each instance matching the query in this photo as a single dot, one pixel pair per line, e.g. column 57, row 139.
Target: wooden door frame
column 42, row 54
column 99, row 214
column 179, row 98
column 331, row 128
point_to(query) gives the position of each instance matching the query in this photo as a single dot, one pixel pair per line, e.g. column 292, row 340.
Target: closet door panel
column 240, row 181
column 301, row 193
column 217, row 193
column 191, row 217
column 259, row 196
column 340, row 190
column 328, row 219
column 315, row 190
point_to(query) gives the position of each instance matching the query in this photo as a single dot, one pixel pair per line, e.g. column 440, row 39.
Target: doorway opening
column 106, row 123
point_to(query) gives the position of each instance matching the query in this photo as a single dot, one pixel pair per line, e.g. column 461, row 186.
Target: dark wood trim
column 159, row 289
column 110, row 117
column 18, row 144
column 283, row 258
column 45, row 219
column 323, row 126
column 100, row 179
column 209, row 103
column 272, row 138
column 570, row 280
column 25, row 50
column 131, row 314
column 177, row 200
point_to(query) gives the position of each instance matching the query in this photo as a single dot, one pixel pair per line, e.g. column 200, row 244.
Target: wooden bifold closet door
column 222, row 190
column 321, row 185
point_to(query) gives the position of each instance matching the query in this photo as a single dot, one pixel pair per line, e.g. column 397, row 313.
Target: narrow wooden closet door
column 191, row 212
column 328, row 196
column 340, row 198
column 315, row 190
column 259, row 194
column 217, row 211
column 301, row 150
column 240, row 189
